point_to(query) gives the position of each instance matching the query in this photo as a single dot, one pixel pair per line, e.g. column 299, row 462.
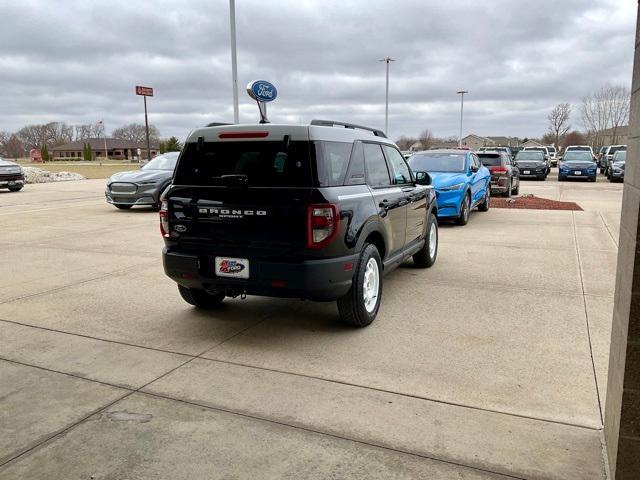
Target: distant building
column 116, row 149
column 531, row 143
column 621, row 136
column 474, row 142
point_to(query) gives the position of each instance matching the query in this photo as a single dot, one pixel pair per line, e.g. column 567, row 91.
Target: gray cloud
column 78, row 61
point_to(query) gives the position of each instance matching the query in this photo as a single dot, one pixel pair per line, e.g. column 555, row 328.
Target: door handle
column 384, row 203
column 403, row 202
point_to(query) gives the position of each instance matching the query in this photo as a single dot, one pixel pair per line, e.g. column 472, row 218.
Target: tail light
column 322, row 224
column 164, row 218
column 498, row 169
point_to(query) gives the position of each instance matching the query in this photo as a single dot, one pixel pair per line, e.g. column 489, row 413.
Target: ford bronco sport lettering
column 315, row 211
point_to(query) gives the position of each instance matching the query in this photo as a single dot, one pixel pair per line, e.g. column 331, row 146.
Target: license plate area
column 526, row 172
column 231, row 267
column 577, row 172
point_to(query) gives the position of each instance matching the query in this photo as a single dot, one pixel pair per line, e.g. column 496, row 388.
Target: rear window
column 490, row 160
column 578, row 149
column 552, row 149
column 266, row 164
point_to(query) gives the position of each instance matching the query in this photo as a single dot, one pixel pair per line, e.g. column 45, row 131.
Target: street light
column 386, row 103
column 461, row 93
column 234, row 62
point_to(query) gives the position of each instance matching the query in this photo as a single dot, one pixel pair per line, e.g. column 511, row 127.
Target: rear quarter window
column 332, row 161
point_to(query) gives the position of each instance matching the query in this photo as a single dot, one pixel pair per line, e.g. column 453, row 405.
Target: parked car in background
column 609, row 154
column 514, row 151
column 544, row 151
column 553, row 155
column 460, row 180
column 295, row 211
column 144, row 186
column 617, row 166
column 577, row 164
column 11, row 175
column 505, row 176
column 506, row 150
column 406, row 153
column 532, row 164
column 580, row 148
column 601, row 158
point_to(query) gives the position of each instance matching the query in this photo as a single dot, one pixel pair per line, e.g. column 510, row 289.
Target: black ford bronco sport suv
column 315, row 211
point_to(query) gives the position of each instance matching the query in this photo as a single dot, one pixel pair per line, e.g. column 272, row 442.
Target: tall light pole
column 234, row 62
column 461, row 93
column 386, row 102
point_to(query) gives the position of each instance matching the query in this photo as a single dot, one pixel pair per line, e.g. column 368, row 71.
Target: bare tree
column 135, row 132
column 559, row 121
column 404, row 142
column 11, row 146
column 605, row 108
column 88, row 130
column 50, row 134
column 426, row 139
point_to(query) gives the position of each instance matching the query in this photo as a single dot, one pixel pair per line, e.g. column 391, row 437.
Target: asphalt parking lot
column 491, row 364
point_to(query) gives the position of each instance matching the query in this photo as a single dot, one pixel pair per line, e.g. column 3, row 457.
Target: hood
column 7, row 163
column 446, row 179
column 137, row 176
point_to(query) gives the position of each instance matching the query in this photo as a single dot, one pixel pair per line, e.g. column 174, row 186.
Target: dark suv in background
column 505, row 176
column 315, row 211
column 532, row 164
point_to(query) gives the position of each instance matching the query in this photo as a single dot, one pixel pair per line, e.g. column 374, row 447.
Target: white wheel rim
column 433, row 240
column 371, row 285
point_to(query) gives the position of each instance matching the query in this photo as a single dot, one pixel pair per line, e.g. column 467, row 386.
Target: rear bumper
column 12, row 180
column 324, row 280
column 499, row 183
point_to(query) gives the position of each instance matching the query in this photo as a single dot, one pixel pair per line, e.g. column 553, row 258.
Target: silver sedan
column 144, row 186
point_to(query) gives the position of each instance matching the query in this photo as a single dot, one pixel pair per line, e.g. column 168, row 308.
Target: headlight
column 457, row 186
column 149, row 182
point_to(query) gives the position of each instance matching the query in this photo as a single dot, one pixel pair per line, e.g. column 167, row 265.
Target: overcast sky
column 78, row 61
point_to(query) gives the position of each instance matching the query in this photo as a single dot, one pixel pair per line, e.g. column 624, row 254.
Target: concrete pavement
column 491, row 364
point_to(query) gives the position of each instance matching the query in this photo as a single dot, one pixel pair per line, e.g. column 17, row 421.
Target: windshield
column 264, row 163
column 438, row 162
column 530, row 155
column 552, row 149
column 620, row 156
column 613, row 150
column 166, row 161
column 577, row 156
column 490, row 160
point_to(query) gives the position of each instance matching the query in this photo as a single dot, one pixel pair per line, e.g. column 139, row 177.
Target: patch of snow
column 38, row 175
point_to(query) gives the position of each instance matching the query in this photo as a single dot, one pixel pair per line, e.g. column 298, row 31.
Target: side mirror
column 422, row 178
column 474, row 169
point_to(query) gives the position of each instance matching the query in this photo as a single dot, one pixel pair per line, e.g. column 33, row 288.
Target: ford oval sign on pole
column 262, row 92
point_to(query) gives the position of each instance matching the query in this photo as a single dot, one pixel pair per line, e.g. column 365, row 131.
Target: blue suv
column 460, row 180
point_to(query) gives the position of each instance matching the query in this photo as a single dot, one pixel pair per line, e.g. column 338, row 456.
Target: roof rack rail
column 217, row 124
column 332, row 123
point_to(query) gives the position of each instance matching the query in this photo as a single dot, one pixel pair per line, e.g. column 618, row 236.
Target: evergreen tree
column 44, row 153
column 172, row 145
column 89, row 152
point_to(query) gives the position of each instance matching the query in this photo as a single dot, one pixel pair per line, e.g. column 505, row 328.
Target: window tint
column 355, row 174
column 377, row 173
column 491, row 159
column 401, row 172
column 332, row 159
column 264, row 163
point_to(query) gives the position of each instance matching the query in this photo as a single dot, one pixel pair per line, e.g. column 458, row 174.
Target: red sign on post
column 144, row 91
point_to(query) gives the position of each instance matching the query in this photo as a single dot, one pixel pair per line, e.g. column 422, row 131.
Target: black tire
column 423, row 258
column 516, row 191
column 351, row 306
column 507, row 192
column 123, row 207
column 15, row 189
column 484, row 206
column 200, row 298
column 465, row 210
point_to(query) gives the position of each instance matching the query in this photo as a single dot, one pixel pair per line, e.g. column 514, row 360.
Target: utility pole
column 386, row 60
column 146, row 126
column 461, row 93
column 234, row 61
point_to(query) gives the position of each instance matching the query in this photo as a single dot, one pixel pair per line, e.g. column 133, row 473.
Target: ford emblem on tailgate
column 262, row 91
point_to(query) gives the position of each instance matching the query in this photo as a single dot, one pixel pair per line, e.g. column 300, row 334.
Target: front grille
column 10, row 176
column 123, row 187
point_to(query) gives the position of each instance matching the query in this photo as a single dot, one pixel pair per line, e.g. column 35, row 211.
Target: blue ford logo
column 262, row 91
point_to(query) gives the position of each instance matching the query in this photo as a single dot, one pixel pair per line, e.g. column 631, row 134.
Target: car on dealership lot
column 532, row 164
column 505, row 176
column 580, row 148
column 553, row 155
column 142, row 187
column 545, row 151
column 460, row 180
column 11, row 175
column 608, row 156
column 617, row 166
column 316, row 211
column 577, row 164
